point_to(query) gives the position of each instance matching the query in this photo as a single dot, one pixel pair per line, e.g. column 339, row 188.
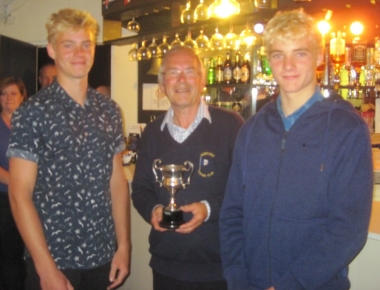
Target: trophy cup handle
column 190, row 168
column 155, row 168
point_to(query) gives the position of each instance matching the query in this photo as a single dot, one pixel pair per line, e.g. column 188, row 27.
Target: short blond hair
column 292, row 25
column 70, row 19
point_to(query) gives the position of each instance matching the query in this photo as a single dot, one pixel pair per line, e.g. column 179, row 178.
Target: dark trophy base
column 171, row 219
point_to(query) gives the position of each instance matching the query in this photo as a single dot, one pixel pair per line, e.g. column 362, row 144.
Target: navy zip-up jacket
column 298, row 203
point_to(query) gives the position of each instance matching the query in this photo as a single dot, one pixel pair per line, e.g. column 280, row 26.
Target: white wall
column 124, row 84
column 29, row 17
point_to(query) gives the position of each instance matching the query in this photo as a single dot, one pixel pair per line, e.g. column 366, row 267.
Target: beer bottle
column 245, row 70
column 211, row 72
column 265, row 68
column 227, row 73
column 236, row 71
column 219, row 70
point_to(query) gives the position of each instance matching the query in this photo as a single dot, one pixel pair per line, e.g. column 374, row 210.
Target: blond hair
column 70, row 19
column 292, row 25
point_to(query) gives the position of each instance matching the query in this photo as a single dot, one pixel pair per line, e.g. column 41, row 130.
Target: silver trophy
column 172, row 178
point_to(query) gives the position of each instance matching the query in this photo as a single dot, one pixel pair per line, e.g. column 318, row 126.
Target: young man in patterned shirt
column 67, row 190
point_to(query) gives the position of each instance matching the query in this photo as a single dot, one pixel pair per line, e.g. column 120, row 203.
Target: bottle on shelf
column 266, row 71
column 236, row 70
column 337, row 56
column 227, row 73
column 369, row 68
column 246, row 69
column 211, row 72
column 219, row 70
column 358, row 58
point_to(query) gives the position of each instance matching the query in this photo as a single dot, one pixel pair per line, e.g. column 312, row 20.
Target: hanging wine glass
column 189, row 42
column 177, row 41
column 132, row 54
column 152, row 49
column 216, row 40
column 142, row 52
column 187, row 15
column 201, row 12
column 231, row 40
column 202, row 41
column 247, row 36
column 133, row 25
column 164, row 47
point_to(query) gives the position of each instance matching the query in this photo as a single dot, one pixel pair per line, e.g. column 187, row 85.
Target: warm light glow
column 356, row 28
column 324, row 27
column 258, row 28
column 247, row 36
column 224, row 8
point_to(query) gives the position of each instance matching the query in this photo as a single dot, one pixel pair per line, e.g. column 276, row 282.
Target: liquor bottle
column 236, row 71
column 369, row 68
column 358, row 52
column 337, row 56
column 219, row 69
column 227, row 73
column 245, row 70
column 211, row 72
column 358, row 58
column 337, row 48
column 376, row 56
column 265, row 68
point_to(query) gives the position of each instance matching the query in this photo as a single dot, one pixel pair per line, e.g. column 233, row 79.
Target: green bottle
column 211, row 72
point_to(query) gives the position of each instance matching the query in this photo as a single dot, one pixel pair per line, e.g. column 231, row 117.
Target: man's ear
column 50, row 50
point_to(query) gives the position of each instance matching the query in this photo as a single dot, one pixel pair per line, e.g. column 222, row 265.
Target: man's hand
column 199, row 211
column 54, row 280
column 119, row 267
column 156, row 218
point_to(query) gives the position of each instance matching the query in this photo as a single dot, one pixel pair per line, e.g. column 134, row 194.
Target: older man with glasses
column 186, row 257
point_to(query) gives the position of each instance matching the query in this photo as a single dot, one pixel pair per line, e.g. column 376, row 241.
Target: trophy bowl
column 172, row 179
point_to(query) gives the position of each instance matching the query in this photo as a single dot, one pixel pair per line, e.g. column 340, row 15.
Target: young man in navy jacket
column 299, row 193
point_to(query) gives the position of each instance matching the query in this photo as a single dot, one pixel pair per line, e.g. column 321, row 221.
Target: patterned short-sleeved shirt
column 74, row 148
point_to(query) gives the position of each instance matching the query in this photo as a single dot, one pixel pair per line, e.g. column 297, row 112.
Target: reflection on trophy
column 173, row 180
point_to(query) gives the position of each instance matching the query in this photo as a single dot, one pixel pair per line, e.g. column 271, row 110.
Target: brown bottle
column 236, row 71
column 219, row 70
column 245, row 70
column 227, row 73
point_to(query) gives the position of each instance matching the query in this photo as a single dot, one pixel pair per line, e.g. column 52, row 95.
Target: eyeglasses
column 189, row 73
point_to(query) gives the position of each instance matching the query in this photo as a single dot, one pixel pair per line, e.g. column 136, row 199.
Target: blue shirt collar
column 291, row 119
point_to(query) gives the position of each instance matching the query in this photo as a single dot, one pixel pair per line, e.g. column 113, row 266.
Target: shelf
column 158, row 31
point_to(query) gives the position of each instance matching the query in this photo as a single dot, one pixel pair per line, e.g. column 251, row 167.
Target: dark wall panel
column 18, row 59
column 100, row 73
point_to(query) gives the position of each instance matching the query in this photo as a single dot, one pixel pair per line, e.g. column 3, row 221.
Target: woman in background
column 12, row 268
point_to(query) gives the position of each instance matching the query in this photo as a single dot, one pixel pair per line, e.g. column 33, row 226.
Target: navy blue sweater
column 194, row 256
column 298, row 203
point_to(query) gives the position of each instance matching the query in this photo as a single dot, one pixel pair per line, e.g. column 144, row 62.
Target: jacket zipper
column 283, row 145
